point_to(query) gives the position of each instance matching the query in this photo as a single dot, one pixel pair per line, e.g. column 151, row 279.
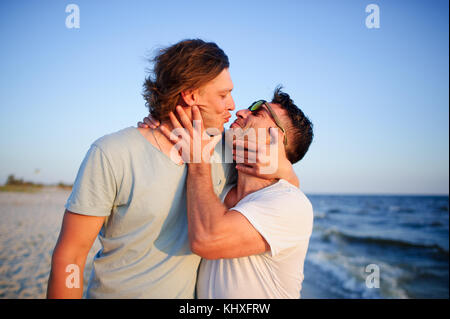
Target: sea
column 378, row 247
column 361, row 246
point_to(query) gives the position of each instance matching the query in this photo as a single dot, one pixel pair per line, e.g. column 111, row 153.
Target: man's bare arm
column 78, row 233
column 214, row 231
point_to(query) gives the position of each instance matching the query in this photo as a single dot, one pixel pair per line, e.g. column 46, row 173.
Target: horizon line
column 377, row 194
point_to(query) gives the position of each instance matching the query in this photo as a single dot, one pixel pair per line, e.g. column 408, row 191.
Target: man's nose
column 231, row 104
column 243, row 113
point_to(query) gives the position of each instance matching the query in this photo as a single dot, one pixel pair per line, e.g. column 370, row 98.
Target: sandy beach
column 28, row 233
column 29, row 228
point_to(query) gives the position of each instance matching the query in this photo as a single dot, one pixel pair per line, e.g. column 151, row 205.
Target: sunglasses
column 257, row 105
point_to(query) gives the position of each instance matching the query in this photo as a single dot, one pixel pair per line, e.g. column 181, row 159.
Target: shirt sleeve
column 284, row 219
column 94, row 190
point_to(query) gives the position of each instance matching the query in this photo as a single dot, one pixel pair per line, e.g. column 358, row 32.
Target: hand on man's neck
column 168, row 124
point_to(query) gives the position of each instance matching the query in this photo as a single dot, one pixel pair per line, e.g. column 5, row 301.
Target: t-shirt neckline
column 167, row 158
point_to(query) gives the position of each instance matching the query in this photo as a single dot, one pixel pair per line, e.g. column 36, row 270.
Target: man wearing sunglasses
column 254, row 237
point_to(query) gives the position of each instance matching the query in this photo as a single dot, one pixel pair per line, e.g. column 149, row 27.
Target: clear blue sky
column 378, row 98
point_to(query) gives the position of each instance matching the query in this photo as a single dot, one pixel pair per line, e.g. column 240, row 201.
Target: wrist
column 199, row 168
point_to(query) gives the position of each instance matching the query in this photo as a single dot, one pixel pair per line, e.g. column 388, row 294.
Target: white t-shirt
column 283, row 215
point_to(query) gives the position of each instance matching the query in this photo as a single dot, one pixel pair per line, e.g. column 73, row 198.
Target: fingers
column 185, row 121
column 174, row 120
column 244, row 156
column 154, row 121
column 277, row 137
column 208, row 150
column 196, row 116
column 149, row 123
column 251, row 152
column 274, row 134
column 142, row 125
column 255, row 143
column 170, row 134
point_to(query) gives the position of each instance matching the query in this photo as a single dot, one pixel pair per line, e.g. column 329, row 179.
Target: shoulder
column 283, row 199
column 296, row 195
column 117, row 139
column 281, row 191
column 118, row 148
column 281, row 213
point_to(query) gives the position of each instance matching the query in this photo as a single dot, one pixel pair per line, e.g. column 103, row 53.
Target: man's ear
column 190, row 97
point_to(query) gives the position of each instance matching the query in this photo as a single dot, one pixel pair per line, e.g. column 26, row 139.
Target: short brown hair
column 299, row 130
column 188, row 64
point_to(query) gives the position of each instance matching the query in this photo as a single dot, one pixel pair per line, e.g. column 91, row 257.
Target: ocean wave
column 334, row 210
column 400, row 209
column 380, row 241
column 349, row 272
column 319, row 215
column 419, row 224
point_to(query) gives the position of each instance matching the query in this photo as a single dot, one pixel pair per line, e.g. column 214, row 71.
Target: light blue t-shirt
column 145, row 249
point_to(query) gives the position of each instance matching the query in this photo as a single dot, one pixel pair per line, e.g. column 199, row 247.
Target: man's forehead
column 222, row 82
column 225, row 85
column 227, row 89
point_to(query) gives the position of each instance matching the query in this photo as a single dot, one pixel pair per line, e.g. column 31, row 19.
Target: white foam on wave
column 347, row 276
